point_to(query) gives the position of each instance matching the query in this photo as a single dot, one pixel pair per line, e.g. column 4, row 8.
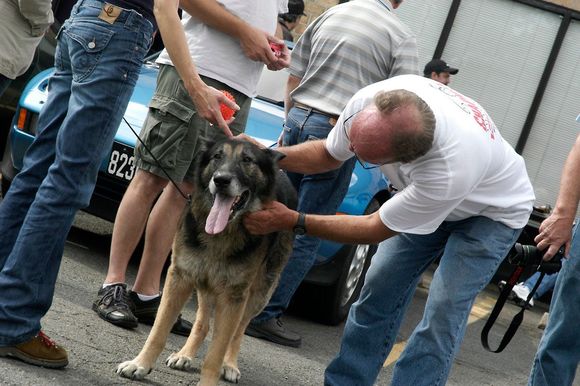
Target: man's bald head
column 398, row 127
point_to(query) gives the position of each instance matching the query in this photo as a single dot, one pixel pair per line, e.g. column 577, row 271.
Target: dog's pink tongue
column 219, row 214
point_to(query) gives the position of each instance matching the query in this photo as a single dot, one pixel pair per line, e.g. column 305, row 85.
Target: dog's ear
column 275, row 155
column 206, row 145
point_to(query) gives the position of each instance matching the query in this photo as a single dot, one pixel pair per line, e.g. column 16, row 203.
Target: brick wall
column 572, row 4
column 312, row 9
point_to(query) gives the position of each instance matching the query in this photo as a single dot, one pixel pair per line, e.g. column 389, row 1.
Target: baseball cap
column 296, row 7
column 438, row 65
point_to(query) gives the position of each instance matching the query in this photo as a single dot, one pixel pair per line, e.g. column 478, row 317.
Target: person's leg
column 16, row 322
column 37, row 160
column 474, row 250
column 317, row 194
column 374, row 319
column 130, row 222
column 156, row 154
column 161, row 228
column 547, row 284
column 101, row 87
column 558, row 354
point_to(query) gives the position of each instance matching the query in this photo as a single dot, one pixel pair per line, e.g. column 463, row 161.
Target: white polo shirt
column 469, row 171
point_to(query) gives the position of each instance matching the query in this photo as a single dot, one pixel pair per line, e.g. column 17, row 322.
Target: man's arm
column 310, row 157
column 556, row 230
column 255, row 43
column 291, row 84
column 206, row 99
column 274, row 216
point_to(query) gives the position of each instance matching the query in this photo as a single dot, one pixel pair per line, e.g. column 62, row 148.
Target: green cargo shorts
column 174, row 132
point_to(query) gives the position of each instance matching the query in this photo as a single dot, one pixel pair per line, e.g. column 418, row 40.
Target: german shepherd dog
column 233, row 272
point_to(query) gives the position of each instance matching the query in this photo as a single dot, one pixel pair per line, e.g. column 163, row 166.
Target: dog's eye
column 217, row 156
column 247, row 159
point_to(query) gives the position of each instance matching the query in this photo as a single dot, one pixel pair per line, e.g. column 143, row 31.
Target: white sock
column 146, row 297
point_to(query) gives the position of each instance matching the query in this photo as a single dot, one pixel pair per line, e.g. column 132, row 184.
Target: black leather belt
column 331, row 117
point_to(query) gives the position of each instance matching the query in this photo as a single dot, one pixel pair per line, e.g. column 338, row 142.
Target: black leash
column 186, row 197
column 518, row 318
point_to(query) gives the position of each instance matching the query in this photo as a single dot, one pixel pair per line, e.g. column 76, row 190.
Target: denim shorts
column 173, row 132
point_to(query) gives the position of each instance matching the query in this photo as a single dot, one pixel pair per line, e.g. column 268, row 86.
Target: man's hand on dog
column 273, row 217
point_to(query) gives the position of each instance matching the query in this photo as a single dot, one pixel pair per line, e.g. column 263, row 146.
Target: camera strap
column 518, row 318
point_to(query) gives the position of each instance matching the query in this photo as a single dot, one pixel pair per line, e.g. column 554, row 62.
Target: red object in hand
column 277, row 48
column 227, row 112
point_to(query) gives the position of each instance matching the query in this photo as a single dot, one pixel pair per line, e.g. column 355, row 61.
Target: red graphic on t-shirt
column 472, row 108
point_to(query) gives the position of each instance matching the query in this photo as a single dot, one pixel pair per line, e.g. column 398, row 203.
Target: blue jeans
column 472, row 251
column 97, row 66
column 317, row 194
column 558, row 354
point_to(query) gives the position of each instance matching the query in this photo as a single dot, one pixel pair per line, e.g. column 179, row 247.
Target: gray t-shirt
column 347, row 48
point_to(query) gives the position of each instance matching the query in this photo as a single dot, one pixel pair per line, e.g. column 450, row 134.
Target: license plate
column 122, row 162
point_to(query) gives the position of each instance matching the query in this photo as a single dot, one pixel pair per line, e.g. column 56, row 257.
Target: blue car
column 334, row 282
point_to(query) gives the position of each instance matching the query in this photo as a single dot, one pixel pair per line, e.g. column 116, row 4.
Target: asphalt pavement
column 96, row 347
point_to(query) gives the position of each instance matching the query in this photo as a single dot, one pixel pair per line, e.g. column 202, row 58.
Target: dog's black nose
column 222, row 180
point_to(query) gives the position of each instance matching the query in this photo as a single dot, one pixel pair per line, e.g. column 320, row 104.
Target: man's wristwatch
column 300, row 227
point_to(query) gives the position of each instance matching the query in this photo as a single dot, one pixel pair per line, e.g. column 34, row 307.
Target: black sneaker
column 274, row 331
column 146, row 310
column 114, row 306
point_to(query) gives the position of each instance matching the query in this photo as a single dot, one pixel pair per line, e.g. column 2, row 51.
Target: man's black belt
column 332, row 117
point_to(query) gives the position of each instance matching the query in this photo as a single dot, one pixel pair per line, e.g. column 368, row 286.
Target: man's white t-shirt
column 469, row 171
column 220, row 56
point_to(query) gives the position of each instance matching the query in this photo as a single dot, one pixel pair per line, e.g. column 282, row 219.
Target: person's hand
column 256, row 46
column 280, row 141
column 554, row 232
column 207, row 103
column 282, row 56
column 273, row 217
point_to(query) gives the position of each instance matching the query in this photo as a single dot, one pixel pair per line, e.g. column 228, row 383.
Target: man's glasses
column 364, row 164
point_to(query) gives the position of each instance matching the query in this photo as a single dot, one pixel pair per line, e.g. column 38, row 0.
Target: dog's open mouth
column 224, row 207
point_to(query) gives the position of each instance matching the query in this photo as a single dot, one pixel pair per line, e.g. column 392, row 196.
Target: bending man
column 463, row 192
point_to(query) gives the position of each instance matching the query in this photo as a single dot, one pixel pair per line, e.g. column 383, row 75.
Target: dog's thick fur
column 234, row 273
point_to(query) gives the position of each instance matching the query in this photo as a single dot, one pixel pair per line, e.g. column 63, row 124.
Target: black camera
column 530, row 256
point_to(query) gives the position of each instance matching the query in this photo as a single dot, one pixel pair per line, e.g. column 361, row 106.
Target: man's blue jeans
column 558, row 354
column 97, row 66
column 472, row 251
column 317, row 194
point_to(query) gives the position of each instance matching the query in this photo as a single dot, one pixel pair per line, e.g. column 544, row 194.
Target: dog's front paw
column 132, row 369
column 231, row 374
column 179, row 362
